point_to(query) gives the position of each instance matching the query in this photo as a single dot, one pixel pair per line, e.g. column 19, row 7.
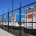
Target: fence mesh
column 19, row 20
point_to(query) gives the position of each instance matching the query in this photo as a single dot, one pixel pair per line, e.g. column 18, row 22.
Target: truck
column 14, row 22
column 31, row 20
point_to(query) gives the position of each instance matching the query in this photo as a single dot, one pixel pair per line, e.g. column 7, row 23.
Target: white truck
column 13, row 22
column 31, row 20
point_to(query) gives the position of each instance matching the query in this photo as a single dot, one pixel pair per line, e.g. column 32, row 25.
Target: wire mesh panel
column 5, row 20
column 10, row 19
column 30, row 19
column 16, row 18
column 14, row 22
column 23, row 21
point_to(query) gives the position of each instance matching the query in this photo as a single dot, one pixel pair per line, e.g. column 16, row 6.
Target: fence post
column 12, row 9
column 20, row 17
column 8, row 20
column 2, row 19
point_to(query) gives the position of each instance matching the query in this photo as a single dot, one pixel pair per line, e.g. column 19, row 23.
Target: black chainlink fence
column 18, row 21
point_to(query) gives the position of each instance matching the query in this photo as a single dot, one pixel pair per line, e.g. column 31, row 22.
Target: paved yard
column 4, row 33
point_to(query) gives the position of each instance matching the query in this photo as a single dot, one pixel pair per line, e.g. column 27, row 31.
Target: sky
column 7, row 4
